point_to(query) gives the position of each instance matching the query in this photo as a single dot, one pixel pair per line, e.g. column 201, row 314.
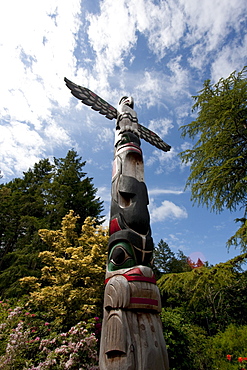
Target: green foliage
column 186, row 343
column 165, row 261
column 209, row 296
column 72, row 281
column 40, row 200
column 218, row 159
column 240, row 237
column 30, row 342
column 233, row 341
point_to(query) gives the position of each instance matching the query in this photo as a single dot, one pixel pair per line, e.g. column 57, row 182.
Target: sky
column 158, row 51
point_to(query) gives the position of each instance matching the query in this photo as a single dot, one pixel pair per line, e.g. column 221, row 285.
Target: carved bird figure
column 124, row 113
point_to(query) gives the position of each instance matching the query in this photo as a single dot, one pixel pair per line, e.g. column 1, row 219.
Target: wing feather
column 91, row 99
column 96, row 103
column 153, row 138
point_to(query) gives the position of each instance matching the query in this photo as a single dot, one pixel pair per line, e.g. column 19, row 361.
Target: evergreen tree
column 40, row 200
column 166, row 261
column 212, row 297
column 218, row 159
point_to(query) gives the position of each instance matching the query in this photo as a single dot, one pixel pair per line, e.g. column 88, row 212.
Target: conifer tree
column 218, row 159
column 212, row 297
column 166, row 261
column 40, row 200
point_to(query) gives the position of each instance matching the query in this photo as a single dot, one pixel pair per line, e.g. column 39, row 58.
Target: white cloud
column 112, row 35
column 150, row 87
column 106, row 135
column 180, row 79
column 209, row 23
column 20, row 147
column 165, row 211
column 38, row 52
column 186, row 145
column 163, row 161
column 42, row 47
column 37, row 41
column 231, row 57
column 160, row 126
column 204, row 27
column 57, row 135
column 158, row 191
column 165, row 27
column 104, row 193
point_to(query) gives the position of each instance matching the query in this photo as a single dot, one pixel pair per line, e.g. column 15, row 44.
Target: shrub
column 32, row 343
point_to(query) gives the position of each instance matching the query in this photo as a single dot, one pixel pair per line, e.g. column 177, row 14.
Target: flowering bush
column 32, row 343
column 240, row 360
column 225, row 349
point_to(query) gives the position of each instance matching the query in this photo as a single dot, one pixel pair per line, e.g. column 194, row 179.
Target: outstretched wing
column 89, row 98
column 152, row 138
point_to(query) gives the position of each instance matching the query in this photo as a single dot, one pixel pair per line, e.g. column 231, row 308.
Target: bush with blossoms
column 30, row 342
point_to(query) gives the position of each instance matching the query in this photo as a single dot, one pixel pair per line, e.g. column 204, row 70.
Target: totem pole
column 132, row 336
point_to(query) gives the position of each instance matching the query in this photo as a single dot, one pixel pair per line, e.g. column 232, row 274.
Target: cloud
column 163, row 161
column 56, row 134
column 231, row 57
column 160, row 126
column 111, row 34
column 106, row 135
column 158, row 191
column 167, row 26
column 20, row 147
column 209, row 24
column 57, row 39
column 35, row 55
column 167, row 210
column 104, row 193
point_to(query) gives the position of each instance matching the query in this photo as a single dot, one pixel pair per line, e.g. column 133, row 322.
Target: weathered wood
column 132, row 336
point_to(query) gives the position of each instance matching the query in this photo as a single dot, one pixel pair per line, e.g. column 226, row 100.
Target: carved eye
column 119, row 256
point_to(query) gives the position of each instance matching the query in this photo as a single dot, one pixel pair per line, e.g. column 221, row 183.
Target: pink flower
column 47, row 323
column 26, row 313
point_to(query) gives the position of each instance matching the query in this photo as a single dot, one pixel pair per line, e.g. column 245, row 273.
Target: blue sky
column 159, row 52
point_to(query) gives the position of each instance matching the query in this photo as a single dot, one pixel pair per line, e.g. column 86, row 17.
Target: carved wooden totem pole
column 132, row 336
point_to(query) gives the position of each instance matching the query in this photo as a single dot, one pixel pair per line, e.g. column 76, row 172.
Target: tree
column 71, row 286
column 185, row 341
column 211, row 297
column 40, row 200
column 166, row 261
column 70, row 189
column 218, row 159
